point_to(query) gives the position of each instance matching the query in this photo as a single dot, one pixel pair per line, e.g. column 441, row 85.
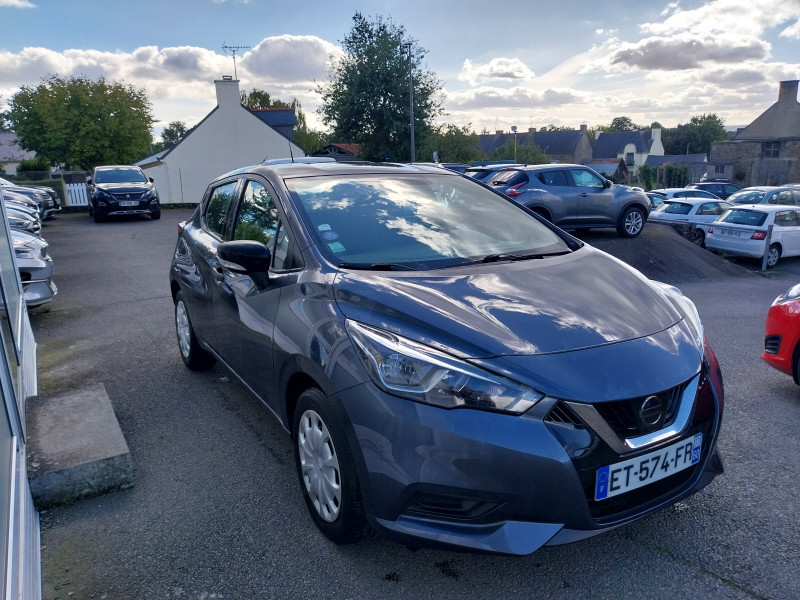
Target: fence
column 69, row 185
column 76, row 194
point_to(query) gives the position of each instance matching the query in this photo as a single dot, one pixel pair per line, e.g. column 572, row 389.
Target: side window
column 784, row 197
column 553, row 178
column 785, row 218
column 258, row 216
column 709, row 208
column 281, row 258
column 584, row 178
column 216, row 216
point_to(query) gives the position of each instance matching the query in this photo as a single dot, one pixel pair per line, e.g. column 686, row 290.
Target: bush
column 33, row 169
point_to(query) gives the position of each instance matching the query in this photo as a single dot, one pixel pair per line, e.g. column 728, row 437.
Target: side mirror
column 89, row 180
column 606, row 183
column 151, row 180
column 244, row 256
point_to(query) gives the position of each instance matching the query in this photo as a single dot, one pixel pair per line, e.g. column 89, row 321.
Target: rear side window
column 553, row 178
column 216, row 215
column 782, row 197
column 786, row 218
column 509, row 178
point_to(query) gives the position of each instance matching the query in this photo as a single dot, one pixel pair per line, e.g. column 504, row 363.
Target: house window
column 771, row 150
column 719, row 169
column 629, row 159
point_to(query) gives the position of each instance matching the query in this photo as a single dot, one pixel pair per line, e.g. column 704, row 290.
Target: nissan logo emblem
column 650, row 412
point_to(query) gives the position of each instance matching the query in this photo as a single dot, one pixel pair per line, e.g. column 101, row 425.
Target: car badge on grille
column 651, row 411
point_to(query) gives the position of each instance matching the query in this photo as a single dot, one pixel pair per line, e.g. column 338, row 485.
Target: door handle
column 583, row 195
column 219, row 275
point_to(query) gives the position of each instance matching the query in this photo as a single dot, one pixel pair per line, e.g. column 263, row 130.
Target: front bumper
column 506, row 484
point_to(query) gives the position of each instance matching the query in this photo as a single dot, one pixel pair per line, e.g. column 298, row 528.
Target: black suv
column 122, row 190
column 718, row 188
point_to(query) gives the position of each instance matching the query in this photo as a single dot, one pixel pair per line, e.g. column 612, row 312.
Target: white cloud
column 793, row 31
column 516, row 97
column 497, row 68
column 289, row 58
column 17, row 4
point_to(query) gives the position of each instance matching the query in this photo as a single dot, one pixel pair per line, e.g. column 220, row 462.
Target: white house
column 231, row 136
column 634, row 147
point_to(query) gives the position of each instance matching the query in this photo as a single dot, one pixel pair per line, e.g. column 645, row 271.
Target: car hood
column 121, row 188
column 578, row 301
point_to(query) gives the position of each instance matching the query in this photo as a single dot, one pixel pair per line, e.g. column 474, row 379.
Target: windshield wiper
column 490, row 258
column 377, row 266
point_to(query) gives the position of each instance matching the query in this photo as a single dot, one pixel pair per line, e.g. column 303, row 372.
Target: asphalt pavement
column 216, row 510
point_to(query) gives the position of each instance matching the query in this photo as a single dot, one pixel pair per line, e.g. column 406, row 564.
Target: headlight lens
column 687, row 307
column 792, row 293
column 411, row 370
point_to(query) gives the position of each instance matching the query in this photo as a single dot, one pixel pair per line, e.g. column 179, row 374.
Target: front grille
column 440, row 506
column 129, row 196
column 772, row 344
column 639, row 416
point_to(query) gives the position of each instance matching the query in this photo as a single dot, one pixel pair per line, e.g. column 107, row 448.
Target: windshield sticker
column 330, row 236
column 324, row 227
column 336, row 247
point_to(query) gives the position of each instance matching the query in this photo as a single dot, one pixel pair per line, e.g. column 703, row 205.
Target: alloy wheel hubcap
column 182, row 326
column 319, row 466
column 634, row 222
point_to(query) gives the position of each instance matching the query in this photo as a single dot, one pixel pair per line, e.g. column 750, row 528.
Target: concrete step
column 76, row 448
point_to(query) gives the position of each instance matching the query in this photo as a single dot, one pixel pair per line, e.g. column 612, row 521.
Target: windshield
column 417, row 221
column 120, row 176
column 747, row 197
column 742, row 216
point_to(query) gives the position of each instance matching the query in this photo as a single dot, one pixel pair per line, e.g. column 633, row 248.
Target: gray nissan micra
column 453, row 369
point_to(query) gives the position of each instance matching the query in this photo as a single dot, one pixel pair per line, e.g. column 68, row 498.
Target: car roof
column 765, row 207
column 289, row 169
column 691, row 200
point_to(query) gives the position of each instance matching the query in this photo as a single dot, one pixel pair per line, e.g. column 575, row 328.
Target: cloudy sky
column 501, row 63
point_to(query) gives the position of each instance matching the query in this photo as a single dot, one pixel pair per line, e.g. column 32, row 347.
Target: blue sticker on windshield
column 330, row 236
column 336, row 247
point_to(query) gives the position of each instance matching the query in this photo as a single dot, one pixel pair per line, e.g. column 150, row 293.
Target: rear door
column 560, row 197
column 787, row 232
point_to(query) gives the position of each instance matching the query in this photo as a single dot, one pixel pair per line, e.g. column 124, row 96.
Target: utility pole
column 233, row 50
column 411, row 102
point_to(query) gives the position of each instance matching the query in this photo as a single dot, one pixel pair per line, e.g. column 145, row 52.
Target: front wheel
column 631, row 223
column 193, row 355
column 327, row 471
column 773, row 255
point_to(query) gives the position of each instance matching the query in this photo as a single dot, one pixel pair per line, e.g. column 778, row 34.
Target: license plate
column 632, row 474
column 731, row 232
column 129, row 203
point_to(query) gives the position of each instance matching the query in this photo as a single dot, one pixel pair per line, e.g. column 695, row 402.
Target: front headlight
column 687, row 308
column 411, row 370
column 793, row 293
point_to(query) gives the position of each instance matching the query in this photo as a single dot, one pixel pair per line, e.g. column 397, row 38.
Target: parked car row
column 45, row 198
column 33, row 262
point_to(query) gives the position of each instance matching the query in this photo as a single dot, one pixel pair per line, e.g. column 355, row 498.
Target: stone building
column 766, row 152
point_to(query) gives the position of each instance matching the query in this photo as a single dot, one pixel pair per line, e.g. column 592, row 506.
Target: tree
column 173, row 133
column 528, row 153
column 694, row 137
column 624, row 124
column 453, row 144
column 366, row 97
column 82, row 123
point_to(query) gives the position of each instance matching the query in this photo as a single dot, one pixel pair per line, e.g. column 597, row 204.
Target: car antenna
column 291, row 155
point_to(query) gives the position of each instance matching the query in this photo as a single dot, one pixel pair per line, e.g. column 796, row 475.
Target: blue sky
column 501, row 63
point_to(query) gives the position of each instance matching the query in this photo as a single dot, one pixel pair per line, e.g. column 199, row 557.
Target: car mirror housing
column 606, row 183
column 245, row 256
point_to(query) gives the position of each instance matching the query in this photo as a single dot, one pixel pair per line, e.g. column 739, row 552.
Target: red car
column 782, row 333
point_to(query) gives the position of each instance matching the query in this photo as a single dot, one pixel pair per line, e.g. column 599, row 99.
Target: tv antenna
column 233, row 50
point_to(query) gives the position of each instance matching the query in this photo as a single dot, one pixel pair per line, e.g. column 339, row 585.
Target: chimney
column 788, row 92
column 228, row 92
column 498, row 132
column 584, row 128
column 655, row 135
column 531, row 129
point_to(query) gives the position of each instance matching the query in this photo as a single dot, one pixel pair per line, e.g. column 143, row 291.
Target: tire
column 156, row 215
column 542, row 213
column 326, row 470
column 698, row 238
column 631, row 222
column 773, row 255
column 194, row 357
column 97, row 218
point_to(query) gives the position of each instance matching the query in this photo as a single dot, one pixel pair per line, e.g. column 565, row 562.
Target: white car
column 690, row 211
column 685, row 193
column 35, row 268
column 743, row 230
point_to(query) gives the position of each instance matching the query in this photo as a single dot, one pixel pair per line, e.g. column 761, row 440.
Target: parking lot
column 216, row 510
